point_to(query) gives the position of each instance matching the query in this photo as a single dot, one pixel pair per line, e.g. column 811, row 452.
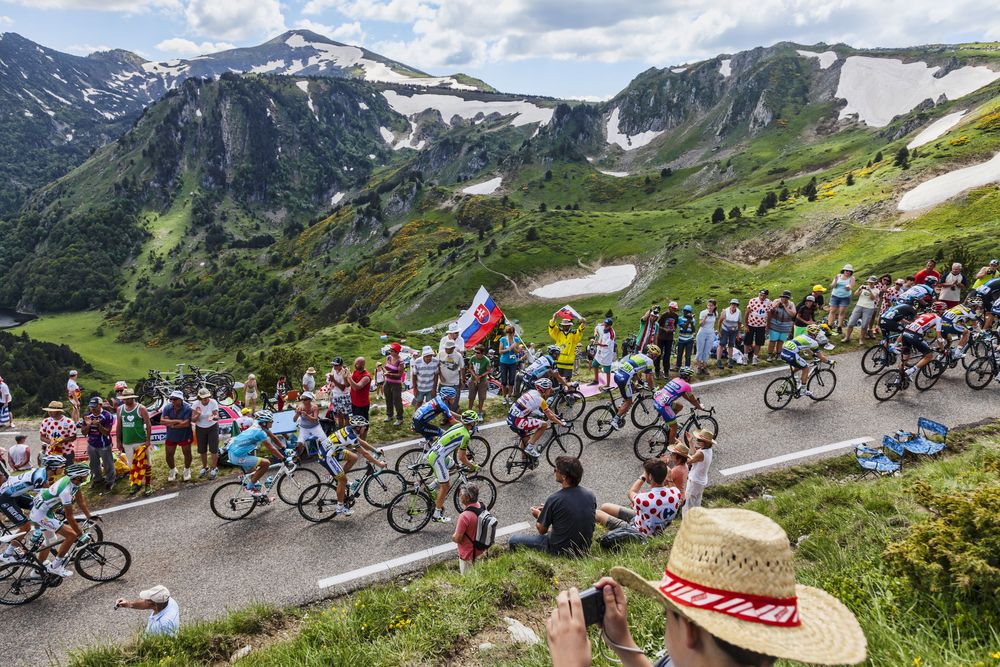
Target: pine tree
column 783, row 195
column 761, row 210
column 771, row 199
column 542, row 207
column 735, row 213
column 548, row 175
column 869, row 165
column 810, row 189
column 850, row 178
column 718, row 215
column 878, row 157
column 666, row 172
column 902, row 158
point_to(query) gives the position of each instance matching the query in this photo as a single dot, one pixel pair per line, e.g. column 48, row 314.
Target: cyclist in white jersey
column 16, row 495
column 339, row 455
column 63, row 493
column 524, row 415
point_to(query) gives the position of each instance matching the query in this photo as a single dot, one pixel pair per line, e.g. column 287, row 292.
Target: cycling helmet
column 974, row 301
column 447, row 392
column 930, row 281
column 78, row 470
column 121, row 385
column 20, row 456
column 813, row 329
column 359, row 421
column 685, row 372
column 554, row 351
column 264, row 416
column 54, row 461
column 939, row 306
column 470, row 417
column 653, row 350
column 543, row 383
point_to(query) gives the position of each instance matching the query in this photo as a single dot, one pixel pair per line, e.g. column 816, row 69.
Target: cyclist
column 544, row 366
column 523, row 416
column 628, row 368
column 953, row 323
column 791, row 353
column 63, row 493
column 16, row 496
column 454, row 440
column 895, row 318
column 913, row 338
column 667, row 400
column 922, row 294
column 243, row 446
column 338, row 455
column 438, row 405
column 989, row 292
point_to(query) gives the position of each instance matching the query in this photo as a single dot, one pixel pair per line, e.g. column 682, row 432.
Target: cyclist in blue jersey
column 629, row 368
column 989, row 293
column 242, row 449
column 438, row 405
column 545, row 367
column 922, row 294
column 16, row 494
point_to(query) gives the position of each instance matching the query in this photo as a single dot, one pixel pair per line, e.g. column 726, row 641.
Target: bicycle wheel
column 152, row 400
column 874, row 359
column 383, row 486
column 980, row 372
column 888, row 384
column 318, row 502
column 410, row 511
column 651, row 442
column 291, row 486
column 509, row 464
column 487, row 492
column 779, row 393
column 570, row 406
column 479, row 450
column 643, row 412
column 232, row 502
column 597, row 423
column 102, row 561
column 980, row 349
column 821, row 384
column 411, row 465
column 928, row 376
column 20, row 583
column 706, row 422
column 565, row 444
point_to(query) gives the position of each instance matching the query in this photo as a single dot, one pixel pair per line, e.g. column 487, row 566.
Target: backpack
column 486, row 529
column 617, row 538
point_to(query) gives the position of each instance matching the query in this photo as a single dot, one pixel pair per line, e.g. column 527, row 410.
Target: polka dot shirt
column 655, row 509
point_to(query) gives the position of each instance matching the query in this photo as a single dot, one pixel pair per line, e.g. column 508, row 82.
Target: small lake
column 12, row 318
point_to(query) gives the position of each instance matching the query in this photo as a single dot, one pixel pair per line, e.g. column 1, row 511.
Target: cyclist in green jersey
column 455, row 439
column 63, row 493
column 791, row 353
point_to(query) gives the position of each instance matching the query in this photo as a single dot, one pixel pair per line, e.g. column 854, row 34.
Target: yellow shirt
column 568, row 343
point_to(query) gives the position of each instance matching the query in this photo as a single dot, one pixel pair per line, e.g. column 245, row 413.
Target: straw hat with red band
column 731, row 572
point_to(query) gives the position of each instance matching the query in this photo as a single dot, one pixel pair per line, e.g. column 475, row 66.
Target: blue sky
column 578, row 48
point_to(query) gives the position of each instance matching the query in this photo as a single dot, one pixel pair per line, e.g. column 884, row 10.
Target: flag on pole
column 568, row 312
column 478, row 321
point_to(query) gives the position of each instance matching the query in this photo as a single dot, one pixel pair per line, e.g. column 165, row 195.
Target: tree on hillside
column 542, row 207
column 809, row 190
column 783, row 195
column 869, row 165
column 761, row 210
column 532, row 234
column 771, row 199
column 548, row 175
column 850, row 178
column 666, row 172
column 878, row 157
column 735, row 213
column 902, row 159
column 718, row 215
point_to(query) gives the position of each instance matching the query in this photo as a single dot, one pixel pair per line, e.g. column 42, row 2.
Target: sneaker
column 397, row 423
column 172, row 475
column 808, row 393
column 213, row 473
column 187, row 474
column 441, row 518
column 616, row 423
column 202, row 473
column 133, row 489
column 57, row 569
column 4, row 558
column 730, row 363
column 753, row 361
column 828, row 346
column 531, row 451
column 718, row 363
column 345, row 510
column 148, row 491
column 109, row 487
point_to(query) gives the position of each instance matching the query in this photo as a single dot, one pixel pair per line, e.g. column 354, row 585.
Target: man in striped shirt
column 426, row 373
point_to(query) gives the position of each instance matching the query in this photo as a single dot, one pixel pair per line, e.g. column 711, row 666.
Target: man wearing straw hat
column 730, row 600
column 57, row 432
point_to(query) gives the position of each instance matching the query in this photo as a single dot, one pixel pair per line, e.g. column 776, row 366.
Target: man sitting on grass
column 652, row 510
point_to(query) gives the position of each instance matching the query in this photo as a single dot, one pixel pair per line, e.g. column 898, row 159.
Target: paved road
column 206, row 562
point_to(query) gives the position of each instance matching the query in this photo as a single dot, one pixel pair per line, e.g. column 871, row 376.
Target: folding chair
column 929, row 440
column 876, row 462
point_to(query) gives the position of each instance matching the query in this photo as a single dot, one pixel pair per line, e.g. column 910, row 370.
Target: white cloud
column 86, row 49
column 394, row 11
column 235, row 19
column 352, row 33
column 126, row 6
column 6, row 20
column 178, row 47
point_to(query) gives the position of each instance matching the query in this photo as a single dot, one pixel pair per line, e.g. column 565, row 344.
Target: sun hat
column 128, row 394
column 427, row 350
column 818, row 288
column 157, row 594
column 307, row 396
column 72, row 373
column 994, row 262
column 734, row 301
column 703, row 434
column 900, row 281
column 311, row 371
column 731, row 572
column 680, row 449
column 204, row 393
column 453, row 327
column 848, row 267
column 176, row 393
column 54, row 406
column 873, row 279
column 449, row 345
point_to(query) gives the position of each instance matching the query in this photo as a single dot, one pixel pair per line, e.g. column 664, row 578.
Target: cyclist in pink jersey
column 667, row 400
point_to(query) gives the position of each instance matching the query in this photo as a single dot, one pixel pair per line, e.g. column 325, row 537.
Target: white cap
column 307, row 395
column 72, row 373
column 158, row 594
column 177, row 393
column 453, row 327
column 449, row 344
column 427, row 350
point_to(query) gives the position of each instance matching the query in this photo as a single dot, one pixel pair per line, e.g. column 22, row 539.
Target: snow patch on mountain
column 605, row 280
column 411, row 140
column 484, row 188
column 304, row 87
column 944, row 187
column 726, row 67
column 878, row 89
column 362, row 106
column 627, row 142
column 335, row 199
column 936, row 129
column 826, row 58
column 449, row 106
column 616, row 174
column 387, row 135
column 678, row 70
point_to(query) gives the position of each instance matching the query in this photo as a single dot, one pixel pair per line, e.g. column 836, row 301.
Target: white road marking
column 784, row 458
column 6, row 432
column 385, row 566
column 138, row 503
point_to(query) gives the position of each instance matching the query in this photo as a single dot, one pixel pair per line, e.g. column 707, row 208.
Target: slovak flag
column 567, row 312
column 478, row 321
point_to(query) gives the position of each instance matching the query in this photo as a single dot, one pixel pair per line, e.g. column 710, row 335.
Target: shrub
column 990, row 121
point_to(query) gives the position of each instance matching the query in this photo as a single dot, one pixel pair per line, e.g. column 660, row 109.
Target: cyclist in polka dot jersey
column 652, row 509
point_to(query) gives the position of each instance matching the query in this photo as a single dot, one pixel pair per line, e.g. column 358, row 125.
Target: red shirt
column 922, row 275
column 361, row 397
column 466, row 525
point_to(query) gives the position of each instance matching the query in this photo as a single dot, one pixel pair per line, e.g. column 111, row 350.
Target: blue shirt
column 175, row 434
column 94, row 436
column 166, row 622
column 247, row 441
column 685, row 328
column 431, row 409
column 505, row 356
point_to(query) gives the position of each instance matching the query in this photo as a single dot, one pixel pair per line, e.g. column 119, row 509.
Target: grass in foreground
column 842, row 529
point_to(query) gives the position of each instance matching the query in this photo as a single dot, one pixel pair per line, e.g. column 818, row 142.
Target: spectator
column 840, row 297
column 666, row 326
column 19, row 456
column 988, row 272
column 361, row 394
column 165, row 618
column 452, row 364
column 465, row 527
column 650, row 511
column 73, row 393
column 309, row 380
column 719, row 559
column 6, row 417
column 379, row 380
column 930, row 269
column 908, row 282
column 817, row 292
column 730, row 327
column 250, row 393
column 677, row 459
column 890, row 294
column 479, row 375
column 394, row 372
column 952, row 285
column 96, row 426
column 805, row 314
column 685, row 337
column 280, row 390
column 567, row 338
column 452, row 336
column 511, row 352
column 569, row 513
column 340, row 394
column 780, row 317
column 120, row 388
column 700, row 444
column 176, row 416
column 530, row 354
column 205, row 415
column 133, row 431
column 57, row 432
column 604, row 354
column 706, row 335
column 756, row 323
column 242, row 423
column 868, row 296
column 648, row 327
column 426, row 371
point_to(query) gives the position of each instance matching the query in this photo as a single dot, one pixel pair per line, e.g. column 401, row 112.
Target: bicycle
column 318, row 503
column 567, row 403
column 894, row 380
column 653, row 440
column 983, row 369
column 510, row 463
column 478, row 452
column 597, row 423
column 412, row 509
column 881, row 355
column 232, row 501
column 821, row 383
column 26, row 579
